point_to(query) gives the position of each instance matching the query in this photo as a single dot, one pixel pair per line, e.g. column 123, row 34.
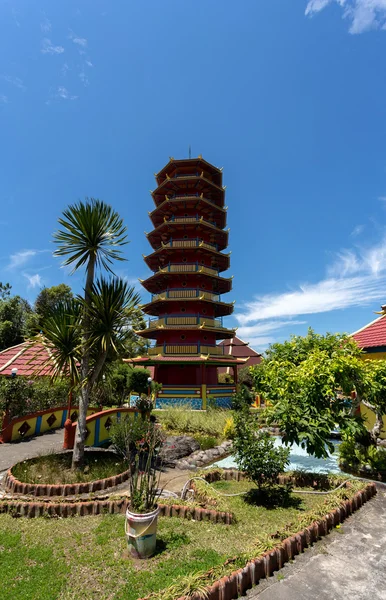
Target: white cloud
column 33, row 280
column 356, row 278
column 362, row 14
column 49, row 48
column 3, row 99
column 83, row 77
column 357, row 230
column 89, row 63
column 45, row 25
column 249, row 332
column 16, row 81
column 63, row 93
column 21, row 258
column 78, row 40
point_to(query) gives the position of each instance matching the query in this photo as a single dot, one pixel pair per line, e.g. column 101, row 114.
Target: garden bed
column 53, row 559
column 51, row 475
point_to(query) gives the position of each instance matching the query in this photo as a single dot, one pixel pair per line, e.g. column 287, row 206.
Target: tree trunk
column 81, row 431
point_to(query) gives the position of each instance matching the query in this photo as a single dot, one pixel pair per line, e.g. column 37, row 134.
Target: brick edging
column 96, row 507
column 237, row 583
column 15, row 486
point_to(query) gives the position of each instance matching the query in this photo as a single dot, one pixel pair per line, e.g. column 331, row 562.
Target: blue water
column 300, row 460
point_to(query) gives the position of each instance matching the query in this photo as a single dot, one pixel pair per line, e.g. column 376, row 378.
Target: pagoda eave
column 182, row 162
column 222, row 309
column 221, row 333
column 161, row 279
column 203, row 359
column 154, row 259
column 192, row 201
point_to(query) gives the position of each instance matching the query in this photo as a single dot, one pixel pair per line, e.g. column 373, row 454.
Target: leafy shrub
column 229, row 431
column 206, row 441
column 225, row 378
column 22, row 396
column 356, row 455
column 246, row 378
column 242, row 399
column 144, row 403
column 255, row 453
column 273, row 495
column 126, row 433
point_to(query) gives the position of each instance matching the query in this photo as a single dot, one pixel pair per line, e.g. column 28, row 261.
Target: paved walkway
column 349, row 564
column 30, row 447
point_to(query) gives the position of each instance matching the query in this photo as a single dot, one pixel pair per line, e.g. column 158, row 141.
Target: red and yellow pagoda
column 188, row 284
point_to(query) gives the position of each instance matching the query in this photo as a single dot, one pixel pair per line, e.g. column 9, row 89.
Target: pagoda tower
column 187, row 284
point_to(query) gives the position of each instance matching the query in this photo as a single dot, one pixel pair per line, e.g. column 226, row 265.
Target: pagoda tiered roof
column 189, row 185
column 199, row 203
column 165, row 252
column 198, row 164
column 166, row 299
column 192, row 226
column 200, row 276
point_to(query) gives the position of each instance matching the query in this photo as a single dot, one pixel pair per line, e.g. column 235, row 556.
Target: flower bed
column 191, row 553
column 54, row 470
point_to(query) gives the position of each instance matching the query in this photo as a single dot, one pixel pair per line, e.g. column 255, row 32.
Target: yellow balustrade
column 188, row 349
column 176, row 321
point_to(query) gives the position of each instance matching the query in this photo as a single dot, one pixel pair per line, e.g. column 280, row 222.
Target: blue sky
column 287, row 96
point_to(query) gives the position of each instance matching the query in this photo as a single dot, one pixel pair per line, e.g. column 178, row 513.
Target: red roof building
column 372, row 337
column 29, row 360
column 240, row 349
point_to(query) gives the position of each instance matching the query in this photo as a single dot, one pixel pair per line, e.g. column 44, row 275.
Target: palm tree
column 61, row 336
column 91, row 236
column 112, row 303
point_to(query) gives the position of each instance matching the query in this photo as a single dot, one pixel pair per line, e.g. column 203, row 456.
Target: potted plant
column 140, row 442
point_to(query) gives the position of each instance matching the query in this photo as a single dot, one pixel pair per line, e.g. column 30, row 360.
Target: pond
column 299, row 460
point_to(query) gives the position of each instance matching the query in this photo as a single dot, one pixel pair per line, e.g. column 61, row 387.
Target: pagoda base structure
column 191, row 380
column 188, row 285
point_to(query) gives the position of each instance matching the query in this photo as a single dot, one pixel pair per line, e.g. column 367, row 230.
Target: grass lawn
column 85, row 557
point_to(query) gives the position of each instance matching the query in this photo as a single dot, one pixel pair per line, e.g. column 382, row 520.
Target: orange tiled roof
column 28, row 359
column 373, row 334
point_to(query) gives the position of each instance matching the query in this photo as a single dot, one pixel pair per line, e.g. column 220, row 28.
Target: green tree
column 138, row 381
column 307, row 381
column 14, row 314
column 5, row 290
column 373, row 394
column 91, row 237
column 48, row 298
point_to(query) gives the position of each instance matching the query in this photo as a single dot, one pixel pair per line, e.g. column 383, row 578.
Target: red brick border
column 15, row 486
column 96, row 507
column 237, row 583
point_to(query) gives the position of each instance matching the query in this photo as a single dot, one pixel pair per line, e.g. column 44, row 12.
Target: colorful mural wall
column 38, row 423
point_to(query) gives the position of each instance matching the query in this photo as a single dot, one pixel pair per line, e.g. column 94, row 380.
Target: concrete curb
column 96, row 507
column 15, row 486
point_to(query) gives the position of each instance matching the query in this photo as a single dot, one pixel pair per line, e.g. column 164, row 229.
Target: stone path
column 350, row 563
column 33, row 446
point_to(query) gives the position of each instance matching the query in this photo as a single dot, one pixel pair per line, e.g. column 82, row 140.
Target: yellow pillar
column 203, row 395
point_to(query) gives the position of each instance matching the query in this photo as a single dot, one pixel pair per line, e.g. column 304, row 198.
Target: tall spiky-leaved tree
column 91, row 237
